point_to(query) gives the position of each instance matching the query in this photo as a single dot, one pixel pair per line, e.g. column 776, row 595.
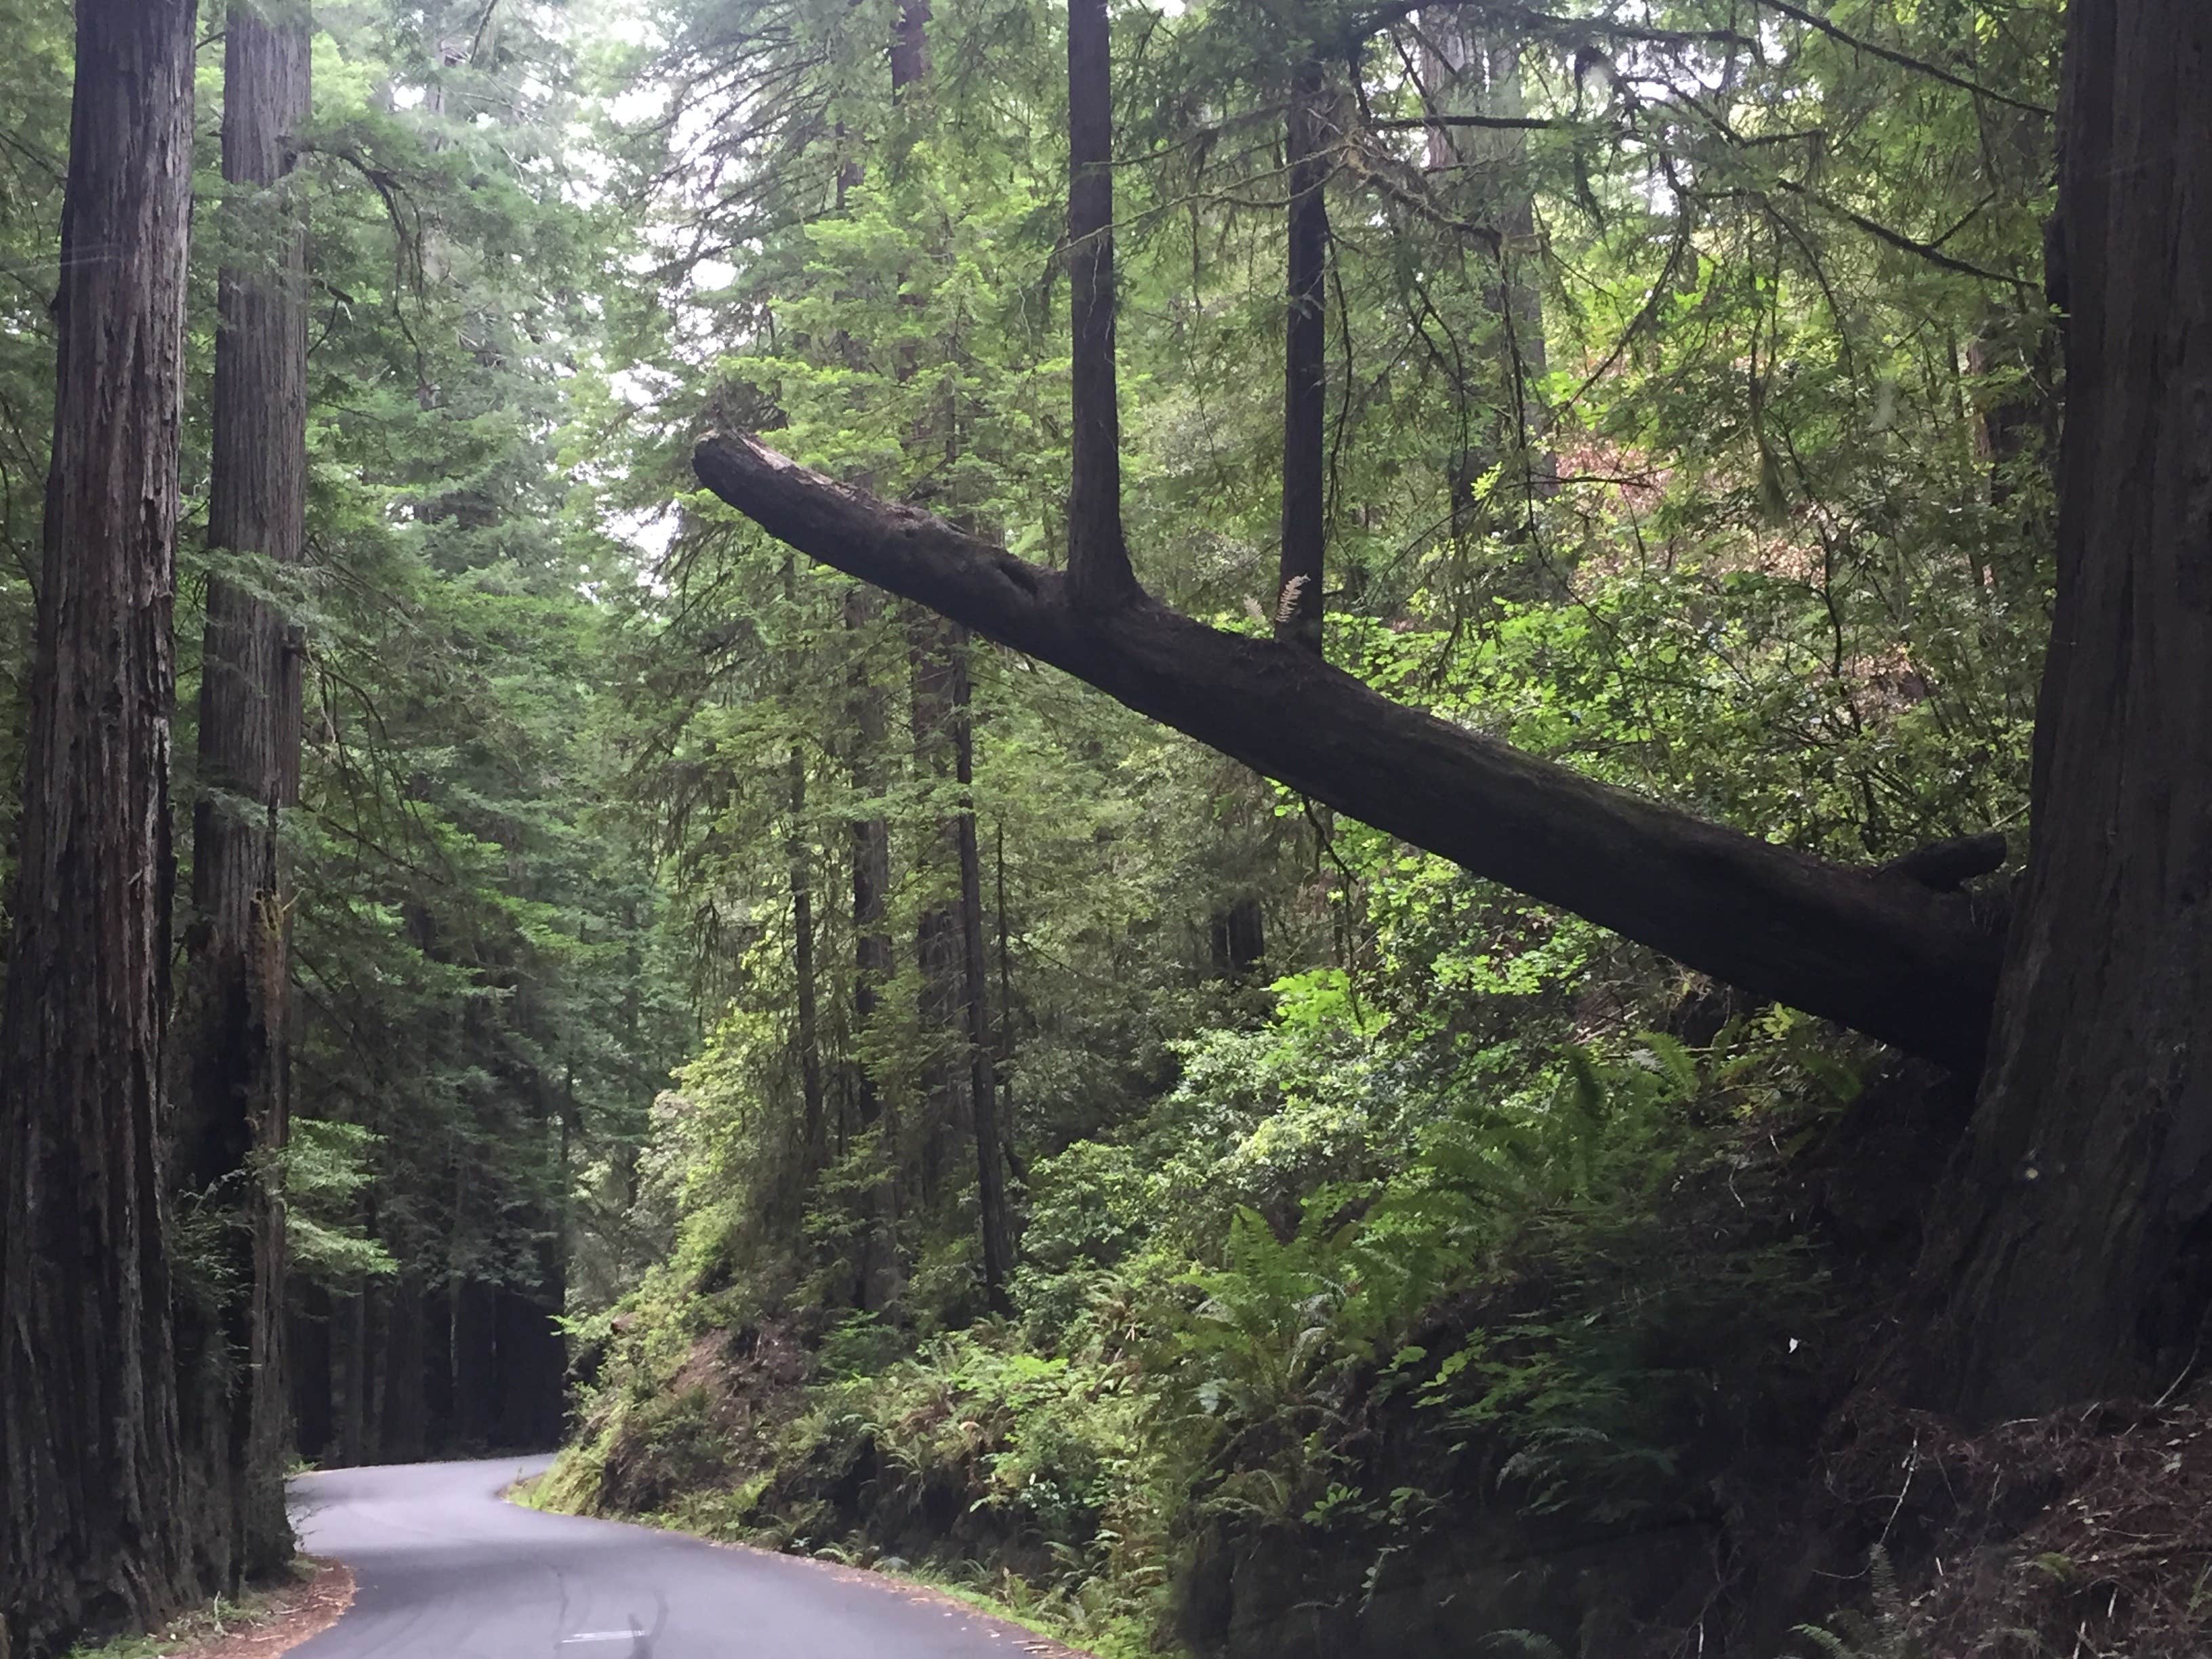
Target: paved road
column 448, row 1571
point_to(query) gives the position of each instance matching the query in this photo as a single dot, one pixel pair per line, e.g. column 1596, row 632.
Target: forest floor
column 266, row 1623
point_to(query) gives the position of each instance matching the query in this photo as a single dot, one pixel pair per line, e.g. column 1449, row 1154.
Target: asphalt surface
column 447, row 1569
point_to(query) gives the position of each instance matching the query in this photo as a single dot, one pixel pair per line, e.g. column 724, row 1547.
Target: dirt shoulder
column 267, row 1623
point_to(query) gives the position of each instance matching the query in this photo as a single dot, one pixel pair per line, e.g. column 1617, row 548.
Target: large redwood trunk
column 2080, row 1220
column 232, row 1084
column 92, row 1531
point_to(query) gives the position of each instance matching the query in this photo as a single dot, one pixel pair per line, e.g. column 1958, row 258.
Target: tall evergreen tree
column 94, row 1532
column 232, row 1084
column 2075, row 1238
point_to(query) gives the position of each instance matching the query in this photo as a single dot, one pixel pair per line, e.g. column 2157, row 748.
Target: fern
column 1883, row 1632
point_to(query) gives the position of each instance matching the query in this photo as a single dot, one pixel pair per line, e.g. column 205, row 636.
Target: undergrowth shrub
column 1350, row 1280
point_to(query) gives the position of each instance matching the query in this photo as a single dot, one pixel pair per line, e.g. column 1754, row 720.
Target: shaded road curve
column 446, row 1569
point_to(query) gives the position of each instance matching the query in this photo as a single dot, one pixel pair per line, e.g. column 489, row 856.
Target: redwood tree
column 232, row 1082
column 93, row 1533
column 2079, row 1243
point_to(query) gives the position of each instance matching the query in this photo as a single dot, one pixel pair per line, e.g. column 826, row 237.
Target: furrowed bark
column 1098, row 566
column 2074, row 1236
column 1880, row 953
column 94, row 1534
column 233, row 1092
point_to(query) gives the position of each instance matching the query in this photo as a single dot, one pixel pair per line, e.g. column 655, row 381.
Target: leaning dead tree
column 1889, row 951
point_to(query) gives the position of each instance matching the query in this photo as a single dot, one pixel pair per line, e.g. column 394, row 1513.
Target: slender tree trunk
column 1239, row 937
column 232, row 1094
column 799, row 861
column 307, row 1352
column 910, row 46
column 990, row 1174
column 1474, row 70
column 870, row 846
column 348, row 1375
column 1005, row 1066
column 1516, row 302
column 1305, row 369
column 93, row 1534
column 475, row 1361
column 1098, row 568
column 930, row 648
column 2078, row 1227
column 813, row 1115
column 405, row 1419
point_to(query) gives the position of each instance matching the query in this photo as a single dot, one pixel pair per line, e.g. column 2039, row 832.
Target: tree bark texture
column 2078, row 1241
column 92, row 1531
column 233, row 1098
column 1877, row 951
column 1305, row 369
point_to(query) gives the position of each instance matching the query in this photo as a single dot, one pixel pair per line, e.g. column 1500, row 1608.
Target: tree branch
column 1879, row 952
column 1901, row 59
column 1492, row 123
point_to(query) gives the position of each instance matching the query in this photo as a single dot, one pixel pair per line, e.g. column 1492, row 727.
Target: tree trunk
column 232, row 1070
column 1873, row 949
column 348, row 1379
column 307, row 1352
column 1239, row 937
column 1305, row 370
column 405, row 1418
column 983, row 1098
column 473, row 1356
column 1517, row 302
column 92, row 1531
column 1098, row 567
column 2078, row 1222
column 533, row 1364
column 932, row 645
column 813, row 1113
column 870, row 844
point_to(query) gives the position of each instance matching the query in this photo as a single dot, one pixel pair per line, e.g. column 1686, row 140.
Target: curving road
column 446, row 1570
